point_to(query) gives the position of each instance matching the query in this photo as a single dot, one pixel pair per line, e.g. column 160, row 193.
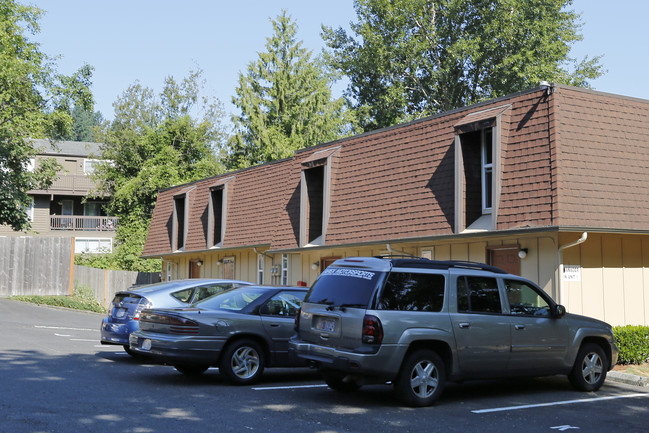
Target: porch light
column 315, row 265
column 522, row 253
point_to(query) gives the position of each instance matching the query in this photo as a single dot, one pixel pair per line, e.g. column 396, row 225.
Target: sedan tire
column 589, row 371
column 421, row 379
column 243, row 362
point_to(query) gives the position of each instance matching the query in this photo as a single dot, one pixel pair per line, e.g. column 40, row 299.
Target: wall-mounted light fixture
column 199, row 263
column 522, row 253
column 219, row 262
column 315, row 266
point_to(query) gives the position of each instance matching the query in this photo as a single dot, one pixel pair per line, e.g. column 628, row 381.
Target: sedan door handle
column 519, row 327
column 465, row 325
column 274, row 325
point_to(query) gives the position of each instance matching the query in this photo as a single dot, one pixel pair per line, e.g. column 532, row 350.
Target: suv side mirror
column 558, row 311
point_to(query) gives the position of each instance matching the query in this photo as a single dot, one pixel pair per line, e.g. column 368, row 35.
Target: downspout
column 391, row 251
column 581, row 240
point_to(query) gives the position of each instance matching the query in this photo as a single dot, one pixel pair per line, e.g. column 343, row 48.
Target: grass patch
column 82, row 298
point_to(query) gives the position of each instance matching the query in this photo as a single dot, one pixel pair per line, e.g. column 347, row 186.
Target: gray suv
column 419, row 323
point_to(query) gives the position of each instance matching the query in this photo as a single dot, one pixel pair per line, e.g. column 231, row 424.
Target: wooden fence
column 45, row 266
column 105, row 282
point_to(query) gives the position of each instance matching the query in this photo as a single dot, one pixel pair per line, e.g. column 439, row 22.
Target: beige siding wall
column 614, row 269
column 614, row 284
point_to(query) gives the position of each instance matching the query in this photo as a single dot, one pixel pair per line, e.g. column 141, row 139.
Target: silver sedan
column 241, row 331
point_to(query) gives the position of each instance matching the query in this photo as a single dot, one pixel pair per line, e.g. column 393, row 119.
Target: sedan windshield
column 235, row 300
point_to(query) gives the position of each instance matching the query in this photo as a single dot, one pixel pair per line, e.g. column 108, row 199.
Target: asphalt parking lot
column 56, row 377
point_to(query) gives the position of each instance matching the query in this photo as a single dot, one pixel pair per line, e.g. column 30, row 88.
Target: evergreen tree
column 285, row 102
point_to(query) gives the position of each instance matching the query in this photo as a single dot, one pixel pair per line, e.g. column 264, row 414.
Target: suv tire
column 421, row 379
column 589, row 371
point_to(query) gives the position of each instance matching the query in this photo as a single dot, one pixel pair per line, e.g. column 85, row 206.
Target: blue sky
column 147, row 40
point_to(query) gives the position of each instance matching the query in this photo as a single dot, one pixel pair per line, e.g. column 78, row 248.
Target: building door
column 195, row 269
column 505, row 258
column 228, row 268
column 326, row 261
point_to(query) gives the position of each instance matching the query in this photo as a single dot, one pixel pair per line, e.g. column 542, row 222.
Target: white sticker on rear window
column 366, row 275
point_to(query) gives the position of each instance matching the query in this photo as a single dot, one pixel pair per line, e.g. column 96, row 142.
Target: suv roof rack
column 413, row 262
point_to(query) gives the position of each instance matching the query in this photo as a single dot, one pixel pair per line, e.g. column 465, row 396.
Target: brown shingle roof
column 574, row 158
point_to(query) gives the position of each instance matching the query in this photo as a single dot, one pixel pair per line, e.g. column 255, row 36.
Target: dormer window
column 216, row 213
column 179, row 231
column 216, row 208
column 314, row 197
column 477, row 162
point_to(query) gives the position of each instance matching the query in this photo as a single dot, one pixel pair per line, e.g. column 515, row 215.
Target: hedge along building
column 549, row 183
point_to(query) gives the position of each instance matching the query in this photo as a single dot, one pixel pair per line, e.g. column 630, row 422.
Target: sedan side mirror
column 558, row 311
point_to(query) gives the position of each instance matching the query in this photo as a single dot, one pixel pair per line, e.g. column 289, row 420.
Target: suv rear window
column 409, row 291
column 344, row 286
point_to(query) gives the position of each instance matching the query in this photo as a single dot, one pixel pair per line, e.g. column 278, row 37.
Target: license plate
column 146, row 344
column 327, row 325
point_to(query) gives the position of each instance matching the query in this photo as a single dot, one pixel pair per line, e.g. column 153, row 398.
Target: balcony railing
column 83, row 223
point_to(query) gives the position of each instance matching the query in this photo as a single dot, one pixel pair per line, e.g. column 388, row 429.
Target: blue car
column 124, row 313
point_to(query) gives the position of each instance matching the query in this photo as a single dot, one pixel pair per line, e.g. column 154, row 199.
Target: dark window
column 472, row 176
column 344, row 286
column 179, row 208
column 405, row 291
column 525, row 299
column 216, row 196
column 478, row 295
column 315, row 202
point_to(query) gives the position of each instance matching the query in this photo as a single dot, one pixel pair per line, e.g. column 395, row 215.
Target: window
column 179, row 222
column 314, row 181
column 407, row 291
column 477, row 169
column 30, row 210
column 486, row 149
column 526, row 300
column 284, row 269
column 216, row 216
column 283, row 304
column 93, row 245
column 89, row 165
column 314, row 197
column 260, row 269
column 478, row 295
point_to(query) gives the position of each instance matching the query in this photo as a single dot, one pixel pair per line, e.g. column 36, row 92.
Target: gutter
column 581, row 240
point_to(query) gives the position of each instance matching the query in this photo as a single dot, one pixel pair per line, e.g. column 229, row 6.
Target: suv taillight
column 372, row 330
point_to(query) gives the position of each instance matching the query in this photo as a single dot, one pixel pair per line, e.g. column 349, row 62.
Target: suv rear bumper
column 375, row 363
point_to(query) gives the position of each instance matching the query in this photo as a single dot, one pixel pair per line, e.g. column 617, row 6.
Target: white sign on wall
column 571, row 273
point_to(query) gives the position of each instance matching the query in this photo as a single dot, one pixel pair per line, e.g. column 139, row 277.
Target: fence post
column 71, row 288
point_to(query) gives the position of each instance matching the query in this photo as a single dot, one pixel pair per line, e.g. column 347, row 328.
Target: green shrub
column 82, row 298
column 633, row 343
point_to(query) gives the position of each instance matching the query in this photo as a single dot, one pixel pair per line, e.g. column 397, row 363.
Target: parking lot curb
column 628, row 379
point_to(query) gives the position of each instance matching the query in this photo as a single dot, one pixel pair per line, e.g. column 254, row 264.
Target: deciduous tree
column 35, row 102
column 411, row 58
column 155, row 142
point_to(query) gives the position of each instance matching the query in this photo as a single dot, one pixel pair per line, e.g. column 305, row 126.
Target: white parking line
column 266, row 388
column 64, row 328
column 557, row 403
